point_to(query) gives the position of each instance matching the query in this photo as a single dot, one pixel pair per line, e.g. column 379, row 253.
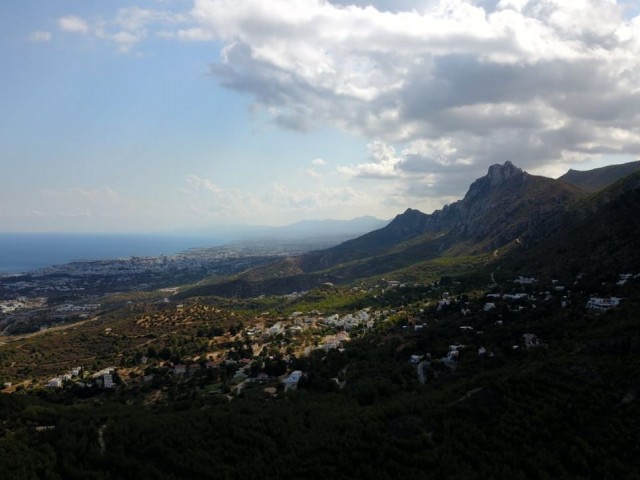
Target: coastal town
column 99, row 277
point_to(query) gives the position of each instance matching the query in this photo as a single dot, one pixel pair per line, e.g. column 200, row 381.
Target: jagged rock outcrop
column 504, row 205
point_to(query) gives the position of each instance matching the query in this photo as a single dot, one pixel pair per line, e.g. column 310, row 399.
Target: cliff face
column 505, row 205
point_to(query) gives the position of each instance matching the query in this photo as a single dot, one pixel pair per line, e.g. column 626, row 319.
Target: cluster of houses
column 342, row 325
column 58, row 382
column 595, row 303
column 517, row 300
column 103, row 379
column 20, row 303
column 352, row 320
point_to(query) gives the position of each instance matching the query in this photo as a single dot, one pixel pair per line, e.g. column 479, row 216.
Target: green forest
column 565, row 410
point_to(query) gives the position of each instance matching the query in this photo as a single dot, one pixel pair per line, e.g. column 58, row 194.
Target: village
column 268, row 354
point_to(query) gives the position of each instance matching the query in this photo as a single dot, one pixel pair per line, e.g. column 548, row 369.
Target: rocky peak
column 498, row 174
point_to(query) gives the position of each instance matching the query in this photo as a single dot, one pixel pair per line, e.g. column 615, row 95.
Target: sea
column 25, row 252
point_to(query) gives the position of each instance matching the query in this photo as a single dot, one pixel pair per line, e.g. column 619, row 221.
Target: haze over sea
column 23, row 252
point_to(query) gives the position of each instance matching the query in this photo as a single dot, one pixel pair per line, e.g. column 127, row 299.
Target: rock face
column 498, row 174
column 504, row 205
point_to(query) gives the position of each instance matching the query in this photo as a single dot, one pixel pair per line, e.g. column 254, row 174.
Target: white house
column 525, row 280
column 489, row 306
column 415, row 359
column 55, row 383
column 276, row 329
column 107, row 379
column 602, row 304
column 292, row 380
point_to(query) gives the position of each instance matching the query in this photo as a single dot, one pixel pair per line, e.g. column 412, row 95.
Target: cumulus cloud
column 532, row 81
column 318, row 162
column 382, row 163
column 441, row 89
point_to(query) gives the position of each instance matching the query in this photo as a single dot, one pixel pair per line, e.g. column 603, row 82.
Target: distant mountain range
column 508, row 219
column 321, row 230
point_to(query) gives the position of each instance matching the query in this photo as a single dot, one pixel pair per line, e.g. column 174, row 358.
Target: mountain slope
column 599, row 178
column 507, row 205
column 602, row 234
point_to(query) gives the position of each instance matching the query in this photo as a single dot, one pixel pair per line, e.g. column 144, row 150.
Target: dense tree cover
column 566, row 410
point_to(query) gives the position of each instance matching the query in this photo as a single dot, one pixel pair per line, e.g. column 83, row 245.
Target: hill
column 601, row 235
column 599, row 178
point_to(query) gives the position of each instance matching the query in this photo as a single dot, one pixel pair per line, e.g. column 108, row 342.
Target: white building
column 602, row 304
column 525, row 280
column 107, row 380
column 55, row 383
column 292, row 380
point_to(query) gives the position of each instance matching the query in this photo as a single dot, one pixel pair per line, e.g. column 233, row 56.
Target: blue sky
column 164, row 115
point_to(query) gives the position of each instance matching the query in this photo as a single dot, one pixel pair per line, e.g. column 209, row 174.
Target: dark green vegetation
column 564, row 406
column 565, row 410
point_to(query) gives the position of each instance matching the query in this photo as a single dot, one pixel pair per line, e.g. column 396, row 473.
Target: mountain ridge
column 598, row 179
column 506, row 209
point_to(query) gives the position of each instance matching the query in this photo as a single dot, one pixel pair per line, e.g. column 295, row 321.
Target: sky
column 180, row 115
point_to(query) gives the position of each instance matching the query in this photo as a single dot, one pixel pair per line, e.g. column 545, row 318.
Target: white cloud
column 128, row 27
column 318, row 162
column 452, row 85
column 40, row 36
column 73, row 24
column 382, row 163
column 489, row 78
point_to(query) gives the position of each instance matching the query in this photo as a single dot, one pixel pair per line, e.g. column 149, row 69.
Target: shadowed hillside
column 599, row 178
column 505, row 206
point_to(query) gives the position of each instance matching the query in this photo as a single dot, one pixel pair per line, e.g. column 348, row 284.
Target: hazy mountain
column 599, row 178
column 306, row 229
